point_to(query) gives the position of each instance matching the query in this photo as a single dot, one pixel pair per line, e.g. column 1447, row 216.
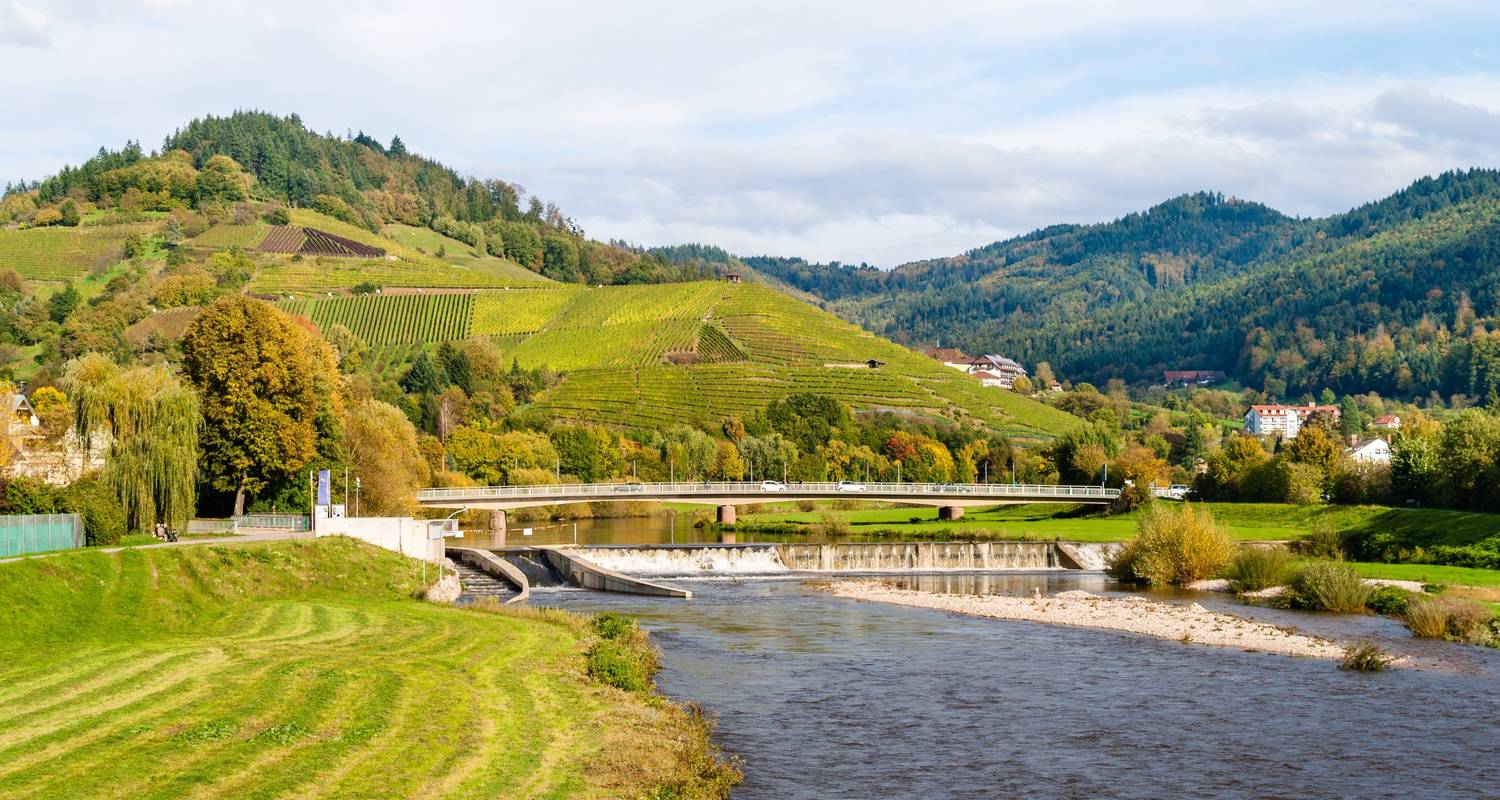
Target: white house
column 1369, row 451
column 1389, row 422
column 1002, row 371
column 1284, row 421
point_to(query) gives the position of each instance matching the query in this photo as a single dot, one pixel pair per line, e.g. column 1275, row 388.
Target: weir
column 751, row 560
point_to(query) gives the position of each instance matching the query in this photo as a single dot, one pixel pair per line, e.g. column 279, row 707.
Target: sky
column 870, row 131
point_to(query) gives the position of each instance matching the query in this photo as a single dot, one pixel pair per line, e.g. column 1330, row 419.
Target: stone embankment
column 1192, row 624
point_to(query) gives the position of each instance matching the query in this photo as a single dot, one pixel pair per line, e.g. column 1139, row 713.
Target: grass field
column 245, row 237
column 1430, row 573
column 63, row 254
column 427, row 241
column 303, row 669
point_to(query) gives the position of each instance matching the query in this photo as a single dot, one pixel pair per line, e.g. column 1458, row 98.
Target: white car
column 1178, row 491
column 850, row 486
column 772, row 486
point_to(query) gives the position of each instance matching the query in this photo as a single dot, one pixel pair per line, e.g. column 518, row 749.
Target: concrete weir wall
column 880, row 557
column 496, row 567
column 583, row 572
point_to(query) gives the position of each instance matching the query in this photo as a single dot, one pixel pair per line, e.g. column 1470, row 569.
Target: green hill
column 1397, row 296
column 646, row 356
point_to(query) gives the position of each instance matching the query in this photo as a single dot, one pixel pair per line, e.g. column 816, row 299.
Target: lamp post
column 430, row 537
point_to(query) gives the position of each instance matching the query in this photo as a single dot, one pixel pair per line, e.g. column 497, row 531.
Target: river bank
column 307, row 668
column 1190, row 624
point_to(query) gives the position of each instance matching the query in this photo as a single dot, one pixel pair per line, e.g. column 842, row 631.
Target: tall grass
column 1257, row 568
column 1330, row 586
column 1447, row 617
column 1173, row 547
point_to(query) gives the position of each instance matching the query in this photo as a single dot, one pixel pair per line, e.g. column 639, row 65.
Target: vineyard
column 283, row 239
column 63, row 254
column 398, row 319
column 647, row 356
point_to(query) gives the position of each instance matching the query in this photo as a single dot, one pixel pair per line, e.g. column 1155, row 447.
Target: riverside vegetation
column 247, row 671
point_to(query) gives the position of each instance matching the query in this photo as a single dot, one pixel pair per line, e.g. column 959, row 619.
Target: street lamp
column 430, row 538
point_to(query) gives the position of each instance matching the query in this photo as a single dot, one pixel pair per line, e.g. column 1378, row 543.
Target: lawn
column 304, row 669
column 1430, row 573
column 1245, row 521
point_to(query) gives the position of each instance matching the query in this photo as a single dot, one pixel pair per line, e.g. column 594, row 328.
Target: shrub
column 1173, row 547
column 834, row 525
column 1322, row 542
column 103, row 517
column 1366, row 657
column 1445, row 617
column 1329, row 586
column 623, row 657
column 610, row 625
column 1256, row 568
column 1391, row 601
column 1132, row 498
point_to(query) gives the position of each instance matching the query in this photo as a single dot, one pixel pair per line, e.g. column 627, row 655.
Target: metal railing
column 762, row 489
column 295, row 522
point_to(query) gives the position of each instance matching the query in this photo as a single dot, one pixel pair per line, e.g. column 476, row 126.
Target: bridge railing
column 716, row 489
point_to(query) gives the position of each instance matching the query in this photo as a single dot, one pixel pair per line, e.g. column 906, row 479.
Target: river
column 829, row 698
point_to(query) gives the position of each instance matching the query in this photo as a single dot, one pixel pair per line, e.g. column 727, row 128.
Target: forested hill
column 1398, row 296
column 216, row 165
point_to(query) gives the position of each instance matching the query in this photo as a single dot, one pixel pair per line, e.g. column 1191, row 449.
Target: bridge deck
column 737, row 492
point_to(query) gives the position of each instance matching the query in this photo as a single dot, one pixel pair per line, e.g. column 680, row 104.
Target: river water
column 829, row 698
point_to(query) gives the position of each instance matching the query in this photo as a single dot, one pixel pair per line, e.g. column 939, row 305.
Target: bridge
column 950, row 498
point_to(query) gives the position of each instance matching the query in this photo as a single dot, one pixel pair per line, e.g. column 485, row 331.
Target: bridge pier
column 950, row 512
column 726, row 515
column 497, row 527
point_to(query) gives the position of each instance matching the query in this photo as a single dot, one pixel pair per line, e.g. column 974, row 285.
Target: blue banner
column 323, row 491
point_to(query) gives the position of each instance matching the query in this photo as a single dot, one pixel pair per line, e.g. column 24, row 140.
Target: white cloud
column 878, row 130
column 21, row 24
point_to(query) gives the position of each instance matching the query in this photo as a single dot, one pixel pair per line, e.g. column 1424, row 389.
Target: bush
column 1173, row 547
column 1132, row 498
column 623, row 658
column 1391, row 601
column 1323, row 541
column 1256, row 568
column 103, row 517
column 834, row 525
column 610, row 625
column 1366, row 657
column 1444, row 617
column 1329, row 586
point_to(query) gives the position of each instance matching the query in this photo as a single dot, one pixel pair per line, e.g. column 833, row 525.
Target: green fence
column 34, row 533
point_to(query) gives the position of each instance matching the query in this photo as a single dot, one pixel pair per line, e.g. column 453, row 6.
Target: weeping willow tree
column 146, row 422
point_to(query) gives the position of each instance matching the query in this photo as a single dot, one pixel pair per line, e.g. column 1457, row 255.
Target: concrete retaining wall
column 582, row 572
column 495, row 566
column 404, row 535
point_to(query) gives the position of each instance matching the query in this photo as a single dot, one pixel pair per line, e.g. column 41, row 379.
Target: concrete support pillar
column 726, row 515
column 497, row 528
column 951, row 512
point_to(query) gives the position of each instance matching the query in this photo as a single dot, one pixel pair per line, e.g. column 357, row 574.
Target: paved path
column 245, row 538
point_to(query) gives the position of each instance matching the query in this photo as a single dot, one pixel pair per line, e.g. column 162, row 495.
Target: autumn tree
column 381, row 445
column 265, row 381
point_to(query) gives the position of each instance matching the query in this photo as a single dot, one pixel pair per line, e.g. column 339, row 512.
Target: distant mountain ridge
column 1397, row 296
